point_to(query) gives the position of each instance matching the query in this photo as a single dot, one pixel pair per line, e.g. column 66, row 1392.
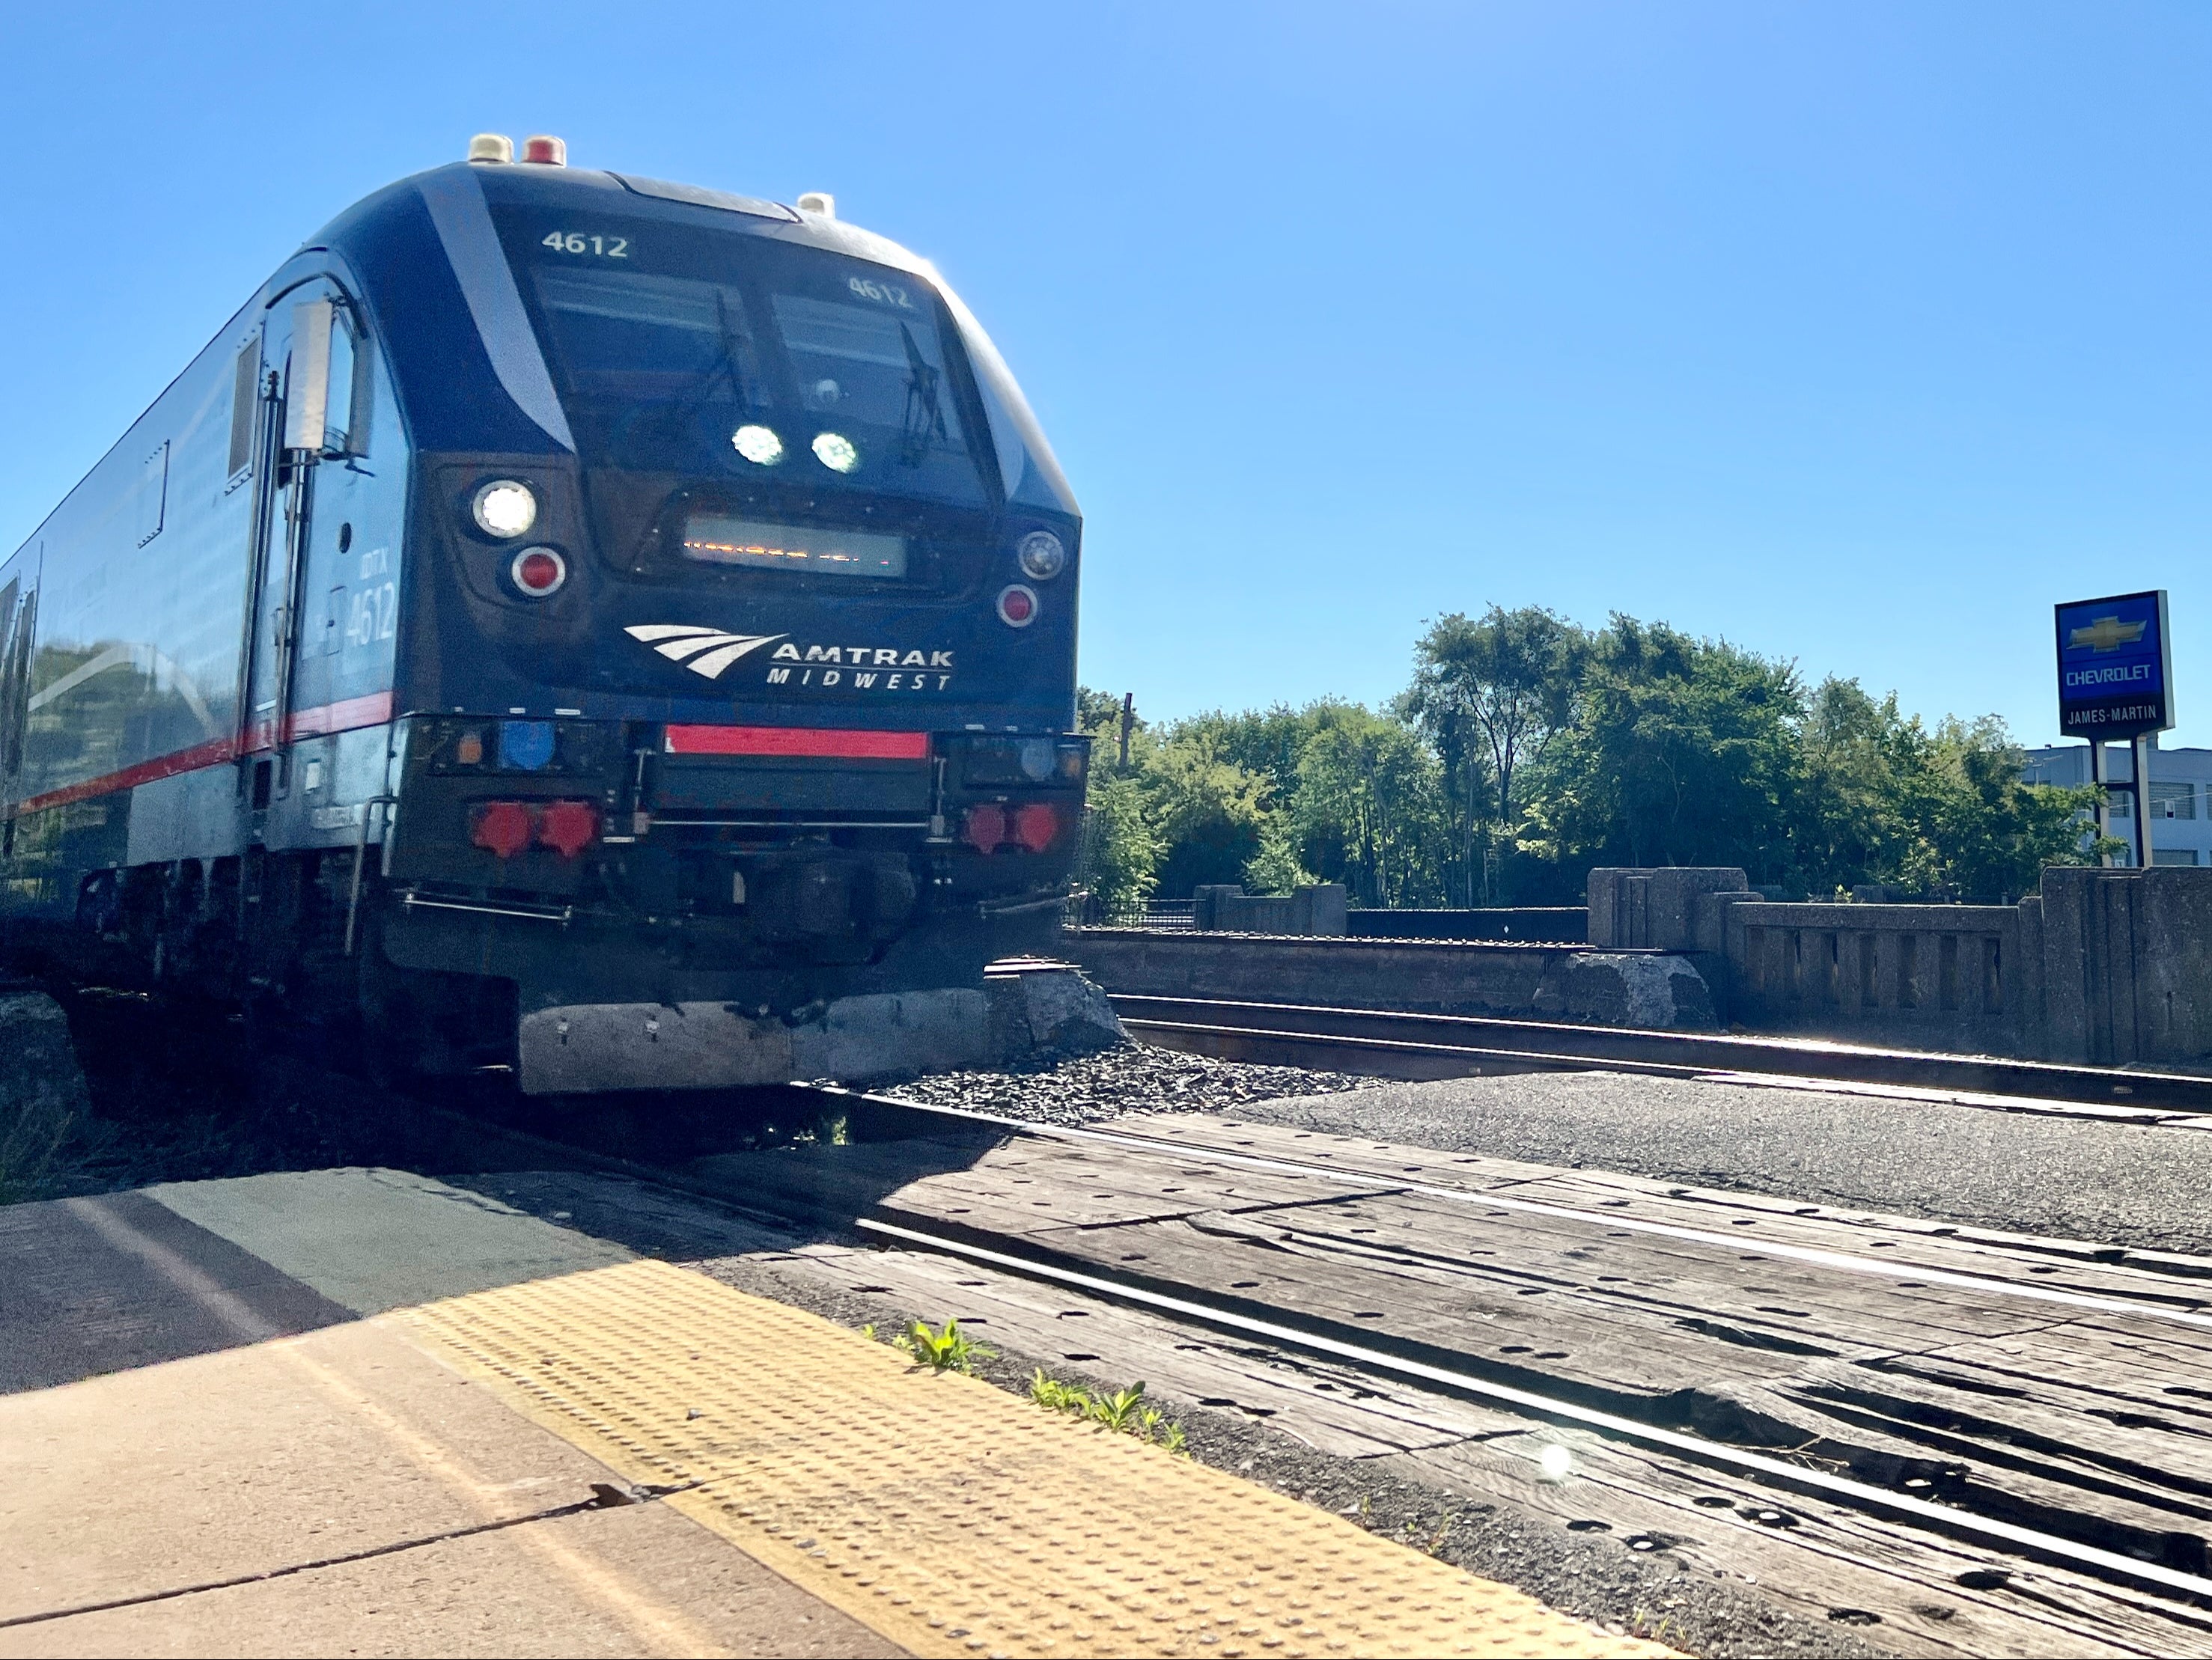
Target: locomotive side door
column 306, row 381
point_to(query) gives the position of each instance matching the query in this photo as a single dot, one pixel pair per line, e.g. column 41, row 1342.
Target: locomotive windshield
column 777, row 370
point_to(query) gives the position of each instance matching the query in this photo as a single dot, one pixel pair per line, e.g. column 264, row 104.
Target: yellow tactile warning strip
column 950, row 1516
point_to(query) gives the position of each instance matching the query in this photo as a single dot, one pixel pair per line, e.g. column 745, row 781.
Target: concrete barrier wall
column 1932, row 976
column 2101, row 966
column 1556, row 924
column 1228, row 907
column 1437, row 977
column 2127, row 964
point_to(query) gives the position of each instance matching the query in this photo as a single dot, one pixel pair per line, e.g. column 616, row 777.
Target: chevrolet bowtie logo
column 2105, row 634
column 702, row 651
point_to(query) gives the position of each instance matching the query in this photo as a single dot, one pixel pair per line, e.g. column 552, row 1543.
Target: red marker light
column 1017, row 606
column 501, row 827
column 537, row 572
column 546, row 151
column 985, row 828
column 569, row 827
column 1037, row 825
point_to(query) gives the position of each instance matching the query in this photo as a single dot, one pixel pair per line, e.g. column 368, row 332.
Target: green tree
column 1682, row 751
column 1276, row 868
column 1942, row 814
column 1122, row 851
column 1978, row 832
column 1850, row 824
column 1209, row 813
column 1368, row 809
column 1491, row 695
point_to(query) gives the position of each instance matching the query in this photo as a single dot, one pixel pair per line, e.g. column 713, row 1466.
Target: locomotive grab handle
column 361, row 857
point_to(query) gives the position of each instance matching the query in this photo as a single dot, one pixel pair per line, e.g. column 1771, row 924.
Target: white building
column 2180, row 810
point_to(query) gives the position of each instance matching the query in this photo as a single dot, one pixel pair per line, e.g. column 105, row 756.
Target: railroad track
column 1984, row 1442
column 1415, row 1045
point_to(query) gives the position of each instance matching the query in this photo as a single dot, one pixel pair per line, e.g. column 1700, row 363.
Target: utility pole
column 1128, row 722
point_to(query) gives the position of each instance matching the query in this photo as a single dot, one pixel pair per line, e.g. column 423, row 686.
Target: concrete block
column 584, row 1048
column 1440, row 976
column 1326, row 907
column 1657, row 909
column 1621, row 989
column 881, row 1036
column 1051, row 1006
column 1225, row 908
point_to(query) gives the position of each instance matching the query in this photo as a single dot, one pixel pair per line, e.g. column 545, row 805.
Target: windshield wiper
column 729, row 347
column 924, row 419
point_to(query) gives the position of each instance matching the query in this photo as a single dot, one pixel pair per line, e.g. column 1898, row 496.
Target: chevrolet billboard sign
column 2114, row 669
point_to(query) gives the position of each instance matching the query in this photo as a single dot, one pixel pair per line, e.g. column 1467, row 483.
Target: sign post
column 2116, row 680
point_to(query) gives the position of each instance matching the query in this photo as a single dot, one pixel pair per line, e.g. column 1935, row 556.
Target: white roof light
column 819, row 202
column 491, row 147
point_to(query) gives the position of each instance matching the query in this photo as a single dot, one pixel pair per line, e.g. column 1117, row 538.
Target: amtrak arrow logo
column 706, row 651
column 2104, row 634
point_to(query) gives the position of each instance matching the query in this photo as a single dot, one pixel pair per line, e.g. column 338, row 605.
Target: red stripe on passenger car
column 344, row 717
column 797, row 741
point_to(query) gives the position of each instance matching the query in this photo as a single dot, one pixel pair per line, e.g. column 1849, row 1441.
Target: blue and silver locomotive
column 611, row 627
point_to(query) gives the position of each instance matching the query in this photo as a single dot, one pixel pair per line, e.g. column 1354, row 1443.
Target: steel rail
column 2029, row 1541
column 1555, row 1044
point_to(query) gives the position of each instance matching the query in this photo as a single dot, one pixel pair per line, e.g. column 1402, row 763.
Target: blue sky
column 1857, row 334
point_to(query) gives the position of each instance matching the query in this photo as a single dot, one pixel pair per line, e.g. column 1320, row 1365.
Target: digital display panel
column 2115, row 667
column 720, row 539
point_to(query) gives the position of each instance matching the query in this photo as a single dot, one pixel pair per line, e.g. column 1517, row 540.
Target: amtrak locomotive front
column 613, row 627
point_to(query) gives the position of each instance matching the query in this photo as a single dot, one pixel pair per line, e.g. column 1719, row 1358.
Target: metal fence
column 1153, row 913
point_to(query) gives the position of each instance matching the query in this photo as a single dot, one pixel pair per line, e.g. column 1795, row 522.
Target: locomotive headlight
column 1043, row 555
column 758, row 444
column 836, row 451
column 505, row 508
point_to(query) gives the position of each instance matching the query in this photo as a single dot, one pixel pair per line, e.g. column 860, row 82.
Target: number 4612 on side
column 607, row 247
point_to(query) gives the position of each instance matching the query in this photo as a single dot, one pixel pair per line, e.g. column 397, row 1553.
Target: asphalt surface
column 2117, row 1183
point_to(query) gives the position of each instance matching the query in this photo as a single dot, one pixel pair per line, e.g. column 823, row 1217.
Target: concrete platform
column 261, row 1470
column 361, row 1412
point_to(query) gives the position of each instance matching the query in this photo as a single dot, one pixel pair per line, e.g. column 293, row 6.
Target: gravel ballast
column 1131, row 1077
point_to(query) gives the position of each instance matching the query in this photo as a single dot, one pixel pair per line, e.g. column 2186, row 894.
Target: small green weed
column 1641, row 1624
column 1121, row 1413
column 949, row 1350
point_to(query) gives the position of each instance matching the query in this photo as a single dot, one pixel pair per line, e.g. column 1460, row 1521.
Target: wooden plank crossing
column 2086, row 1267
column 1841, row 1335
column 1926, row 1595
